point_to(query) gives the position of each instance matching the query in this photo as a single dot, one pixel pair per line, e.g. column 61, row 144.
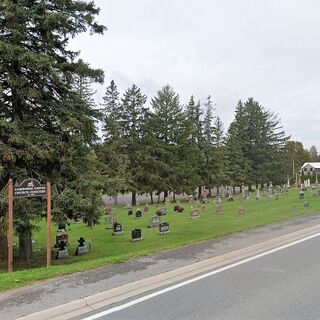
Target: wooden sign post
column 29, row 188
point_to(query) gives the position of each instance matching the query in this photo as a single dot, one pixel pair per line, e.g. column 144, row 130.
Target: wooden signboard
column 29, row 188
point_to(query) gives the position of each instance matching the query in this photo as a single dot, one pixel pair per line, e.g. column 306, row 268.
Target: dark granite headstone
column 117, row 229
column 306, row 205
column 82, row 248
column 136, row 235
column 164, row 228
column 301, row 195
column 138, row 214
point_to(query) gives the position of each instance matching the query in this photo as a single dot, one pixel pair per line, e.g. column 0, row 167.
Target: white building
column 310, row 167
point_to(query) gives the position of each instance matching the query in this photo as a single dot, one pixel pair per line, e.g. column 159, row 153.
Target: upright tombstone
column 136, row 235
column 62, row 251
column 162, row 212
column 130, row 212
column 146, row 209
column 164, row 228
column 306, row 205
column 241, row 211
column 81, row 248
column 138, row 214
column 61, row 238
column 314, row 191
column 154, row 222
column 109, row 220
column 117, row 229
column 219, row 209
column 194, row 214
column 301, row 195
column 257, row 194
column 61, row 226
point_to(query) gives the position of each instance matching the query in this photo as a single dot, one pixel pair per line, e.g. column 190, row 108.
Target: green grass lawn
column 108, row 249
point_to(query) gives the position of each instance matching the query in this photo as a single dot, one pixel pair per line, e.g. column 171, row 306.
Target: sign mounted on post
column 30, row 188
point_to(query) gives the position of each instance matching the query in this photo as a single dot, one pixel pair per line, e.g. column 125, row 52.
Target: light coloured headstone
column 194, row 214
column 154, row 221
column 219, row 209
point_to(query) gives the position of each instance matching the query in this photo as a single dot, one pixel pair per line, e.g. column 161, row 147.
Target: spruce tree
column 40, row 109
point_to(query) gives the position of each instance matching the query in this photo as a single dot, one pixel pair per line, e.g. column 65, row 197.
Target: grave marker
column 136, row 235
column 241, row 211
column 138, row 214
column 117, row 229
column 154, row 221
column 164, row 228
column 194, row 214
column 218, row 209
column 82, row 248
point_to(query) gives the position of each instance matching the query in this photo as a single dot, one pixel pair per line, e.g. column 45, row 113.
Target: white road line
column 203, row 276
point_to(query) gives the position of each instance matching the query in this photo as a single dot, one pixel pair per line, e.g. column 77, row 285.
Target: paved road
column 282, row 285
column 41, row 296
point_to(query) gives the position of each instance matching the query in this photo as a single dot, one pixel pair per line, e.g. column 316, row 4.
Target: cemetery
column 124, row 233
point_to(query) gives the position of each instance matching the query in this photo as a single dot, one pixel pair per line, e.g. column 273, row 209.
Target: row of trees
column 178, row 148
column 49, row 131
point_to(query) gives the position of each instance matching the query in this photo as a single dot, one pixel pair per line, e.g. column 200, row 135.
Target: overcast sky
column 231, row 49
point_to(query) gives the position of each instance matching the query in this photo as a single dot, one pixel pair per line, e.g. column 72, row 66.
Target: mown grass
column 108, row 249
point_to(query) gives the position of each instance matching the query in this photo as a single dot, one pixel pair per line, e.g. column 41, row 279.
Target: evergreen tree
column 133, row 113
column 40, row 110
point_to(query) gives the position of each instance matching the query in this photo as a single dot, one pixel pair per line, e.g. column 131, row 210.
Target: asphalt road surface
column 282, row 285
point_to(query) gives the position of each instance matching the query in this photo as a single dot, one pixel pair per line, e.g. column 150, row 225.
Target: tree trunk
column 210, row 192
column 174, row 196
column 250, row 186
column 218, row 187
column 257, row 185
column 3, row 247
column 151, row 197
column 25, row 245
column 199, row 192
column 234, row 190
column 115, row 200
column 165, row 196
column 133, row 199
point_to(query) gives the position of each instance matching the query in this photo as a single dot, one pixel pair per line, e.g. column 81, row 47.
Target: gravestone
column 306, row 205
column 61, row 227
column 109, row 220
column 62, row 251
column 117, row 229
column 301, row 195
column 314, row 191
column 194, row 214
column 130, row 212
column 154, row 221
column 257, row 194
column 136, row 235
column 146, row 209
column 176, row 208
column 61, row 238
column 241, row 211
column 218, row 209
column 161, row 212
column 164, row 228
column 190, row 199
column 138, row 214
column 82, row 248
